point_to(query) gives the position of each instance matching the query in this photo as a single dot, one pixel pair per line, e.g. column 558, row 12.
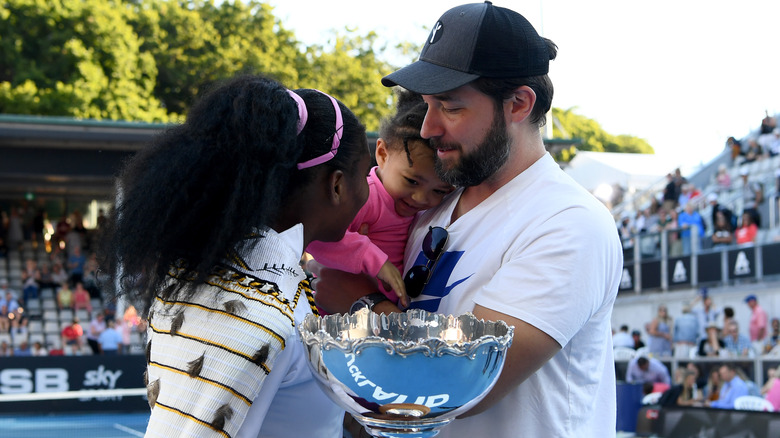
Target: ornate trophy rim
column 495, row 333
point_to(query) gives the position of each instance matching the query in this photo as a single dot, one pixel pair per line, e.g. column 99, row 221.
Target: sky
column 683, row 75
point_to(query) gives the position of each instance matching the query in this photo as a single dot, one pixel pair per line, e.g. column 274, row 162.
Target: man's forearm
column 335, row 291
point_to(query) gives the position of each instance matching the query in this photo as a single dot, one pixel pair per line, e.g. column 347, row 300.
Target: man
column 733, row 387
column 636, row 337
column 736, row 343
column 643, row 370
column 526, row 244
column 686, row 332
column 758, row 323
column 704, row 312
column 110, row 340
column 622, row 338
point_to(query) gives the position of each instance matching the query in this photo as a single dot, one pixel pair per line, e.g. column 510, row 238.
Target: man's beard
column 482, row 163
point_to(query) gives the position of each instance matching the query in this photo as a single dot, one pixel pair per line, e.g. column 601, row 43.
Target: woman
column 747, row 231
column 712, row 345
column 689, row 394
column 660, row 330
column 721, row 234
column 207, row 234
column 712, row 390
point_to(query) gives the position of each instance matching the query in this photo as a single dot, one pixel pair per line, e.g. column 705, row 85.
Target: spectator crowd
column 51, row 296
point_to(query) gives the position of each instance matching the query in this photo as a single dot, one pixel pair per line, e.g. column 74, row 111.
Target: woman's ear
column 337, row 187
column 381, row 153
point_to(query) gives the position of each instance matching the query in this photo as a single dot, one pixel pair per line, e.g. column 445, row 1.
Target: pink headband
column 303, row 116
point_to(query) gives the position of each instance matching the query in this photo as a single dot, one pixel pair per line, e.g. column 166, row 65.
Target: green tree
column 353, row 75
column 569, row 124
column 198, row 42
column 74, row 58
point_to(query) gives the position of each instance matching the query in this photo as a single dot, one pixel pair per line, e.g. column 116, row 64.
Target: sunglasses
column 432, row 247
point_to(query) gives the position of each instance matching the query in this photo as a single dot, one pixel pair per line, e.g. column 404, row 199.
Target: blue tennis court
column 94, row 425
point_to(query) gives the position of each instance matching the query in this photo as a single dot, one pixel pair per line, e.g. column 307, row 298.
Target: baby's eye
column 410, row 181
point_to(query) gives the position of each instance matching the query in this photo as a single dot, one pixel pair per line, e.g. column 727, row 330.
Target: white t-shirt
column 545, row 251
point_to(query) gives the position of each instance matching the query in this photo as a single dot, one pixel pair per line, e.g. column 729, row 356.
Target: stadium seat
column 51, row 327
column 35, row 327
column 624, row 353
column 753, row 403
column 66, row 315
column 50, row 315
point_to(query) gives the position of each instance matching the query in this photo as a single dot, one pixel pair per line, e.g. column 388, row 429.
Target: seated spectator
column 722, row 234
column 5, row 349
column 18, row 329
column 46, row 278
column 65, row 297
column 770, row 142
column 636, row 337
column 23, row 349
column 736, row 343
column 712, row 345
column 733, row 387
column 91, row 281
column 38, row 349
column 81, row 298
column 723, row 179
column 622, row 338
column 72, row 335
column 712, row 388
column 747, row 231
column 753, row 152
column 96, row 327
column 9, row 309
column 774, row 336
column 687, row 392
column 642, row 369
column 110, row 340
column 735, row 146
column 31, row 277
column 58, row 275
column 772, row 388
column 76, row 262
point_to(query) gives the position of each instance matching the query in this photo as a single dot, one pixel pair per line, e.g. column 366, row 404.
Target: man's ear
column 381, row 153
column 522, row 103
column 337, row 187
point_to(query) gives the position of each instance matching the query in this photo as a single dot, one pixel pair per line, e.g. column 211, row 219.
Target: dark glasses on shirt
column 432, row 247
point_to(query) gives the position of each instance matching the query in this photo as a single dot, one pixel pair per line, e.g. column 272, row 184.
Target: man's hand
column 335, row 290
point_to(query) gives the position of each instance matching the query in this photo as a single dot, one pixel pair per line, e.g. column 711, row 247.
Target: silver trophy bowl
column 405, row 374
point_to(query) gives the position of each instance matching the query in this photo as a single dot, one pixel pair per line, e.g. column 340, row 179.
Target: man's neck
column 521, row 158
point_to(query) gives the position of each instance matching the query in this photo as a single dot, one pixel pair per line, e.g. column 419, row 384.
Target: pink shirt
column 758, row 324
column 773, row 395
column 386, row 238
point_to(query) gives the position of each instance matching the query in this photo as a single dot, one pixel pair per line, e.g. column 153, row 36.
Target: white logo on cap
column 433, row 32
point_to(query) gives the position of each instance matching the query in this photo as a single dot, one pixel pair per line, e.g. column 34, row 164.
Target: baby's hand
column 392, row 278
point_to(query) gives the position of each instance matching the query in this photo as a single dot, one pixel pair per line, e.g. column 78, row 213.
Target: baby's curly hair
column 404, row 127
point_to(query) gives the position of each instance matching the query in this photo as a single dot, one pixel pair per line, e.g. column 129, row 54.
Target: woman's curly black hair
column 202, row 187
column 403, row 127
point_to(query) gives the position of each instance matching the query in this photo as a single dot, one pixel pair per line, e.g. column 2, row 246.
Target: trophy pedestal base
column 402, row 427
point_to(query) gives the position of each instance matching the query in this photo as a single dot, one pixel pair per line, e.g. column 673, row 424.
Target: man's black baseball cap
column 471, row 41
